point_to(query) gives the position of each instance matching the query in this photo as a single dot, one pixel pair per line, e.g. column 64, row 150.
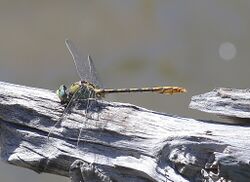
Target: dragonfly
column 90, row 87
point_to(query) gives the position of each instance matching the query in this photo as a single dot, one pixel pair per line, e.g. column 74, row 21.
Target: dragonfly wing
column 95, row 76
column 85, row 68
column 72, row 101
column 79, row 64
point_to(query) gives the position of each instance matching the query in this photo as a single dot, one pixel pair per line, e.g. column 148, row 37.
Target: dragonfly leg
column 86, row 115
column 80, row 132
column 63, row 115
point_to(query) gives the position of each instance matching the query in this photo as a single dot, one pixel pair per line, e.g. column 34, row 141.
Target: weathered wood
column 232, row 104
column 118, row 142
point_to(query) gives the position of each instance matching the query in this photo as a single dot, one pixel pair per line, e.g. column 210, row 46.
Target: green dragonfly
column 90, row 87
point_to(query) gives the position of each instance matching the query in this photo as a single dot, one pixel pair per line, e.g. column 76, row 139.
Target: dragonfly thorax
column 81, row 90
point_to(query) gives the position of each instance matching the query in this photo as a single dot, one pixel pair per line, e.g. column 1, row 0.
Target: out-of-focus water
column 196, row 44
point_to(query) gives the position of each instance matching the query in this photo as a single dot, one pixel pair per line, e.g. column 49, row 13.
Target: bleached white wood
column 230, row 103
column 118, row 142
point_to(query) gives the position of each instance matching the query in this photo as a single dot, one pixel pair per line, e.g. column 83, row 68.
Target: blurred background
column 196, row 44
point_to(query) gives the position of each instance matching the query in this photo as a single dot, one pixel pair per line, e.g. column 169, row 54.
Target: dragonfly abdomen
column 162, row 90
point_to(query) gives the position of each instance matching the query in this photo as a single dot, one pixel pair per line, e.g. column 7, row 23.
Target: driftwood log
column 123, row 142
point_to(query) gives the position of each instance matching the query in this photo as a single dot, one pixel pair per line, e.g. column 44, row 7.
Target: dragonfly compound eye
column 62, row 93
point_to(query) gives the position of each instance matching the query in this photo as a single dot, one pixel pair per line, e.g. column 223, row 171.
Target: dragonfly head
column 62, row 94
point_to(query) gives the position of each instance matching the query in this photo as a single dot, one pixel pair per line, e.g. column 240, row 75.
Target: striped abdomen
column 169, row 90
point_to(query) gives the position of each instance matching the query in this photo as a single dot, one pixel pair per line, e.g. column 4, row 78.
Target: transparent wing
column 85, row 67
column 95, row 78
column 73, row 101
